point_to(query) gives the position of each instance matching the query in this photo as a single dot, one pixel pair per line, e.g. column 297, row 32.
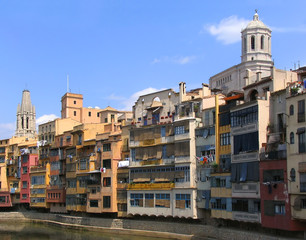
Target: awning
column 123, row 164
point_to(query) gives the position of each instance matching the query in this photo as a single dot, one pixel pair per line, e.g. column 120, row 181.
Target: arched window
column 291, row 138
column 253, row 42
column 253, row 95
column 245, row 44
column 262, row 42
column 292, row 174
column 291, row 110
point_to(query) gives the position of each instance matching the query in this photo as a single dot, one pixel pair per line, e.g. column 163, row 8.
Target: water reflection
column 39, row 231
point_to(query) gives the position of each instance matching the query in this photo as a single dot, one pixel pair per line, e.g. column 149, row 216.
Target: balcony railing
column 274, row 155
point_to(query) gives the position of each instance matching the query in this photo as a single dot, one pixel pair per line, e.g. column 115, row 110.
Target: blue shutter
column 229, row 204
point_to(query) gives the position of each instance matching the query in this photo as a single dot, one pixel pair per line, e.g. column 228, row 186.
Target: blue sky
column 113, row 51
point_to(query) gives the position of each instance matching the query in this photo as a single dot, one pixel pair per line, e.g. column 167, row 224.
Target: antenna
column 67, row 83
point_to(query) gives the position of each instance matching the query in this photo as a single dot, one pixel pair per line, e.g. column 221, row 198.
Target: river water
column 39, row 231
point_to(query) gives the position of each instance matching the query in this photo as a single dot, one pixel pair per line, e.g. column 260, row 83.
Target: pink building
column 27, row 161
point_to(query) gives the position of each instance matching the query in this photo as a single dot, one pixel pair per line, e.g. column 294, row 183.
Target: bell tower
column 26, row 117
column 256, row 41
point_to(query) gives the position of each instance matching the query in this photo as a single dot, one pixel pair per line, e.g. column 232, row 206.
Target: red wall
column 279, row 193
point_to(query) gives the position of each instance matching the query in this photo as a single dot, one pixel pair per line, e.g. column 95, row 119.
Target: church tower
column 256, row 41
column 26, row 117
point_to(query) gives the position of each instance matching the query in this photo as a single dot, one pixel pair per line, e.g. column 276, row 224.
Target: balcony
column 274, row 155
column 11, row 162
column 38, row 169
column 183, row 136
column 169, row 139
column 151, row 186
column 182, row 159
column 247, row 217
column 245, row 157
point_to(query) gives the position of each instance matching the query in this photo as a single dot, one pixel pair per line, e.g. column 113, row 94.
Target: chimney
column 258, row 76
column 205, row 90
column 182, row 86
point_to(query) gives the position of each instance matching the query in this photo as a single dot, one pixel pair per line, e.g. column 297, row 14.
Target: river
column 39, row 231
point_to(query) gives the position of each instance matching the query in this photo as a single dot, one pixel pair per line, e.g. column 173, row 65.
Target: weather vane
column 256, row 10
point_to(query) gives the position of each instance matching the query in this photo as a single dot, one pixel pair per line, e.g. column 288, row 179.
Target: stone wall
column 139, row 227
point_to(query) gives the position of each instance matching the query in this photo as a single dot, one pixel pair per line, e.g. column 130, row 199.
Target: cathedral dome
column 256, row 23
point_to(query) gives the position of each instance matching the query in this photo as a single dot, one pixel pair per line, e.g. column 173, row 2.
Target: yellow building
column 39, row 181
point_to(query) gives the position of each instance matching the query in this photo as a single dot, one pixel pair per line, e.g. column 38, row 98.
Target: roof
column 256, row 23
column 109, row 109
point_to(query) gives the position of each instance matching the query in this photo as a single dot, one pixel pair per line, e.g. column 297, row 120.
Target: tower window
column 262, row 41
column 253, row 42
column 74, row 113
column 89, row 114
column 74, row 102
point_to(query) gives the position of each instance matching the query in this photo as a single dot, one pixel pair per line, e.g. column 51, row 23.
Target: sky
column 114, row 51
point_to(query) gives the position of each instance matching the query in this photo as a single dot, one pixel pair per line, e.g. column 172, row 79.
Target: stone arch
column 253, row 95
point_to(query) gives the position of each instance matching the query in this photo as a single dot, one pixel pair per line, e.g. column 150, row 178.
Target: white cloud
column 228, row 30
column 45, row 118
column 128, row 103
column 176, row 59
column 7, row 130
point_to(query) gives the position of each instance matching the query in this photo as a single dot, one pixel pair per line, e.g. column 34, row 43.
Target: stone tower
column 256, row 41
column 26, row 117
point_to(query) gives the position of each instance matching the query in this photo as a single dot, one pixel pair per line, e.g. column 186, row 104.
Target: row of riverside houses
column 231, row 150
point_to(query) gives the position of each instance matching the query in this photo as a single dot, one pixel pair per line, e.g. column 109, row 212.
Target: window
column 38, row 180
column 24, row 184
column 262, row 42
column 179, row 130
column 302, row 140
column 79, row 139
column 291, row 110
column 24, row 196
column 106, row 182
column 74, row 113
column 246, row 142
column 24, row 170
column 149, row 200
column 253, row 42
column 105, row 120
column 106, row 147
column 164, row 151
column 182, row 201
column 291, row 138
column 292, row 174
column 74, row 102
column 98, row 115
column 163, row 131
column 279, row 208
column 275, row 175
column 244, row 116
column 133, row 154
column 136, row 200
column 107, row 163
column 301, row 111
column 94, row 203
column 302, row 182
column 89, row 114
column 225, row 139
column 162, row 200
